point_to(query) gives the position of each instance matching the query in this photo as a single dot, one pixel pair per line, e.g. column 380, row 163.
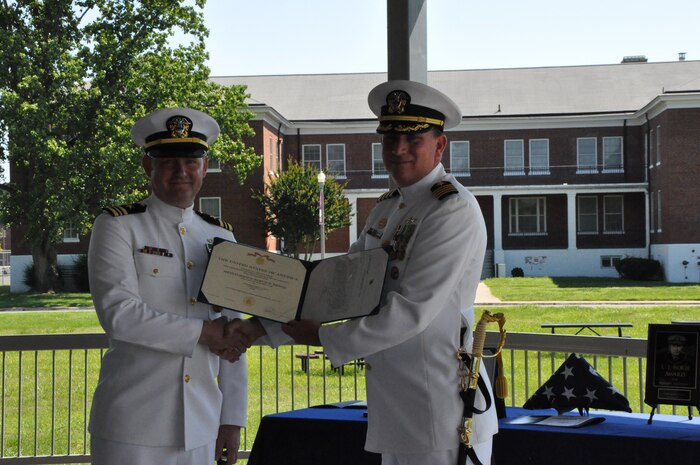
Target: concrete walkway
column 484, row 296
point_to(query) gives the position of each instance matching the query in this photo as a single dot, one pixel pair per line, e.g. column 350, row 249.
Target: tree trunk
column 46, row 277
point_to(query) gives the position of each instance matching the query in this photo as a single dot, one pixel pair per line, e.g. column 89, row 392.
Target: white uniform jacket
column 157, row 386
column 410, row 345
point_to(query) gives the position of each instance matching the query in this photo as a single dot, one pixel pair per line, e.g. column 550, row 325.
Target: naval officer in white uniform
column 437, row 236
column 157, row 401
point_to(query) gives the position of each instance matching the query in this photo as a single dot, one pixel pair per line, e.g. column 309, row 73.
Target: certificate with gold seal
column 265, row 284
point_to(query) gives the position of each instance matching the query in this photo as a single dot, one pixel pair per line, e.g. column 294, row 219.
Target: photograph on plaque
column 672, row 365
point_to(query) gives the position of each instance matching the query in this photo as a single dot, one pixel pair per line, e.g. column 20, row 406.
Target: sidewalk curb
column 44, row 309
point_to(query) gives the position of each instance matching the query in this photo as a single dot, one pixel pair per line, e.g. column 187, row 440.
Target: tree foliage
column 291, row 201
column 74, row 76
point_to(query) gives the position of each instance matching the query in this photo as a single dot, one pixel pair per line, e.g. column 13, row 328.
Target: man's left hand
column 229, row 438
column 303, row 331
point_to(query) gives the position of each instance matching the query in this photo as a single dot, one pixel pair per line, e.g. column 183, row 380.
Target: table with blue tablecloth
column 622, row 438
column 328, row 435
column 335, row 436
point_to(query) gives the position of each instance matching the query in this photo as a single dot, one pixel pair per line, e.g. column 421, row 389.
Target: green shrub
column 639, row 269
column 29, row 276
column 78, row 271
column 30, row 281
column 517, row 272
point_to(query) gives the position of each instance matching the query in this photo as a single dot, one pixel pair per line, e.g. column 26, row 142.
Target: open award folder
column 564, row 421
column 265, row 284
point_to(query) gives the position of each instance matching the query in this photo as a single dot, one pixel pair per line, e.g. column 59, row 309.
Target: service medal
column 402, row 237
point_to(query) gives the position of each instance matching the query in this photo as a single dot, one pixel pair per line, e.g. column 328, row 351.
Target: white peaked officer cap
column 175, row 132
column 405, row 107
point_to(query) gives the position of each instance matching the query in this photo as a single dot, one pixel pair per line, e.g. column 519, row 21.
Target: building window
column 459, row 158
column 651, row 148
column 658, row 145
column 271, row 154
column 539, row 156
column 610, row 261
column 586, row 155
column 613, row 214
column 527, row 216
column 612, row 155
column 378, row 168
column 514, row 157
column 335, row 159
column 210, row 206
column 213, row 166
column 311, row 156
column 588, row 215
column 70, row 232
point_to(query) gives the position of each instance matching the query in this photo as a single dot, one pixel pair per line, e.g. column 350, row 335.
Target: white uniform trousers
column 443, row 457
column 106, row 452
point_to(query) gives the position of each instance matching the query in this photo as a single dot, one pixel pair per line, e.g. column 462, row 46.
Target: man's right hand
column 228, row 344
column 251, row 329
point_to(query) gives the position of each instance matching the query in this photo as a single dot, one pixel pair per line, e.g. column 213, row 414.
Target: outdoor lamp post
column 321, row 181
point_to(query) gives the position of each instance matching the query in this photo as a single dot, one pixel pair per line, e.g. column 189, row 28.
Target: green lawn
column 521, row 318
column 49, row 322
column 10, row 300
column 589, row 289
column 528, row 318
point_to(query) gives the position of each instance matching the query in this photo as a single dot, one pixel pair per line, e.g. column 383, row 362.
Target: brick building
column 574, row 167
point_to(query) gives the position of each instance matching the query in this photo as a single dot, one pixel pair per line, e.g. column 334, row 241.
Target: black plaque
column 672, row 365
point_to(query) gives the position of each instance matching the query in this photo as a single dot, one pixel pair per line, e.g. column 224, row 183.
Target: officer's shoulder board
column 215, row 221
column 443, row 189
column 388, row 195
column 130, row 209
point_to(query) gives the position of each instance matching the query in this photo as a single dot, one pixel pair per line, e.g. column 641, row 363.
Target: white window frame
column 201, row 206
column 70, row 233
column 607, row 213
column 514, row 216
column 378, row 169
column 542, row 168
column 513, row 162
column 271, row 154
column 457, row 154
column 338, row 173
column 313, row 163
column 608, row 167
column 609, row 261
column 581, row 214
column 588, row 167
column 213, row 165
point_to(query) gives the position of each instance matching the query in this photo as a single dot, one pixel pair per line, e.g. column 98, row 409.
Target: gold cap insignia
column 397, row 101
column 179, row 126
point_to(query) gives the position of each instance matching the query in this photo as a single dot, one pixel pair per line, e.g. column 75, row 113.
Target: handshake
column 229, row 339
